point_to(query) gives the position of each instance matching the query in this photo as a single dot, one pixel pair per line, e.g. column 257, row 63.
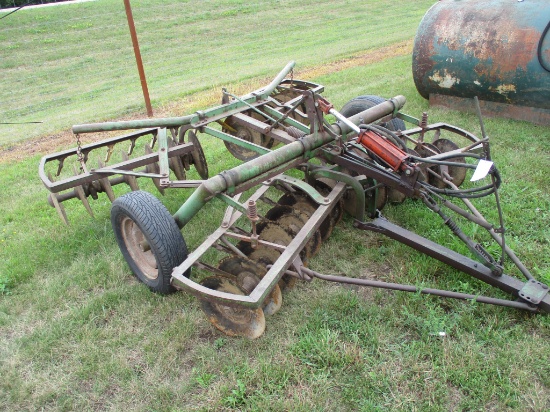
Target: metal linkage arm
column 531, row 292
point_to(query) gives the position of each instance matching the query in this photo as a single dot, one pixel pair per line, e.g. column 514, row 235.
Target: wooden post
column 138, row 57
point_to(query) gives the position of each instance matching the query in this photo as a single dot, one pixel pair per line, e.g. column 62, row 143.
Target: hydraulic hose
column 539, row 48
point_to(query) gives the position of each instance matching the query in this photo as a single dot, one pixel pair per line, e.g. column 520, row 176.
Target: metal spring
column 424, row 121
column 252, row 211
column 295, row 132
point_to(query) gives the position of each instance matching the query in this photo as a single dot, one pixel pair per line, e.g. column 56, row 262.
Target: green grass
column 75, row 64
column 78, row 332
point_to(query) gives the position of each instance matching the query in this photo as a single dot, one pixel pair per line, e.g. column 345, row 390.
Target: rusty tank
column 497, row 50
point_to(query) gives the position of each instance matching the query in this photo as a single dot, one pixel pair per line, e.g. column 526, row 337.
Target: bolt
column 327, row 199
column 544, row 286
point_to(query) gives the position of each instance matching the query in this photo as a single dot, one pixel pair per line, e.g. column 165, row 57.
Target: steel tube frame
column 303, row 148
column 415, row 289
column 268, row 282
column 463, row 263
column 198, row 117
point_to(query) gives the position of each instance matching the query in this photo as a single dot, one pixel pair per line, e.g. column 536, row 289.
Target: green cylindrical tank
column 498, row 50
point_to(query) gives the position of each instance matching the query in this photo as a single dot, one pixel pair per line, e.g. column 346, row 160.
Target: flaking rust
column 496, row 50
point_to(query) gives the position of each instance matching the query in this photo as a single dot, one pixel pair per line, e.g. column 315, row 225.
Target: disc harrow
column 274, row 222
column 86, row 182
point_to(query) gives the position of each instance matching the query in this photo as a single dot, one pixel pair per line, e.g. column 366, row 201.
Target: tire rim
column 134, row 239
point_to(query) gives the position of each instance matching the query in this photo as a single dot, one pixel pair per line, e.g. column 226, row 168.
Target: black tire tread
column 161, row 231
column 364, row 102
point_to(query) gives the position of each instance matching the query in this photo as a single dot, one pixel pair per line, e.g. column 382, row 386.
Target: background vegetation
column 75, row 63
column 4, row 4
column 78, row 332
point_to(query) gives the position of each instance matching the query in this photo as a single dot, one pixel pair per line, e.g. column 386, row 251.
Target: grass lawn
column 78, row 332
column 75, row 64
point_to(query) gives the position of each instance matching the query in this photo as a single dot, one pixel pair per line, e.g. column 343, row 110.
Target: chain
column 80, row 155
column 292, row 77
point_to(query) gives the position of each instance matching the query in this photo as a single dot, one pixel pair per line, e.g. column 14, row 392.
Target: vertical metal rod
column 139, row 62
column 497, row 198
column 497, row 237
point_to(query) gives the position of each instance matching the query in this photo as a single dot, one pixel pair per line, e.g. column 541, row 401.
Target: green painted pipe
column 263, row 164
column 180, row 121
column 133, row 124
column 247, row 171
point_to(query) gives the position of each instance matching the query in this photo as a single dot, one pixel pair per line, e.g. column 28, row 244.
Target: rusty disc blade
column 423, row 176
column 247, row 134
column 198, row 156
column 176, row 163
column 231, row 320
column 304, row 206
column 247, row 275
column 293, row 223
column 458, row 174
column 426, row 149
column 267, row 255
column 274, row 233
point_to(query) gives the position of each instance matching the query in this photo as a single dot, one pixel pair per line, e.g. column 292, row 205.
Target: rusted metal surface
column 231, row 320
column 498, row 50
column 463, row 263
column 534, row 115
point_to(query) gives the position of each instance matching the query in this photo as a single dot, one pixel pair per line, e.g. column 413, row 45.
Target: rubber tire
column 365, row 102
column 159, row 229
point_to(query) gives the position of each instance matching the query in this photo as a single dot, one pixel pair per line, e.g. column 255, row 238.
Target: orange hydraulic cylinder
column 385, row 150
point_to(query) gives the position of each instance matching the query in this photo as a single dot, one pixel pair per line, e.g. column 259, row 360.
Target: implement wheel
column 365, row 102
column 148, row 238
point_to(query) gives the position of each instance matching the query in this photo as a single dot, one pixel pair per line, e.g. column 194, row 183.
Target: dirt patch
column 370, row 57
column 49, row 144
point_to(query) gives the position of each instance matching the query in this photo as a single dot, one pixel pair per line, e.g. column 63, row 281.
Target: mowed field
column 76, row 64
column 79, row 332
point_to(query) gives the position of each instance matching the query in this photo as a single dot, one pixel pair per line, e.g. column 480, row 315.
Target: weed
column 237, row 397
column 205, row 379
column 219, row 343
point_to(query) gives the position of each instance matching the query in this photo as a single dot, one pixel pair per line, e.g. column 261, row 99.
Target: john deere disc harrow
column 274, row 222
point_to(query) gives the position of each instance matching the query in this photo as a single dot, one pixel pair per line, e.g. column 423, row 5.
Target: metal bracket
column 163, row 157
column 114, row 171
column 305, row 187
column 533, row 292
column 232, row 202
